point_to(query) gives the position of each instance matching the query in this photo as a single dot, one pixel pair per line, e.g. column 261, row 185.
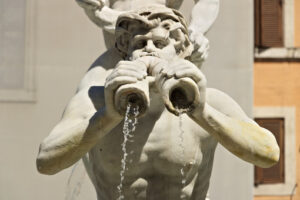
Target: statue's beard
column 153, row 54
column 143, row 54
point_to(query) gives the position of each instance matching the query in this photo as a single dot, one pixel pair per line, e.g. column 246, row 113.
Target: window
column 274, row 174
column 16, row 50
column 274, row 30
column 279, row 120
column 269, row 23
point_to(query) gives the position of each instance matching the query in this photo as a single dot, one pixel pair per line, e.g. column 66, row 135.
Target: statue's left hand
column 201, row 47
column 180, row 68
column 91, row 4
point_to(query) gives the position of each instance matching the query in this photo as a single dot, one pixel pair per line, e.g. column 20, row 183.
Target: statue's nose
column 150, row 46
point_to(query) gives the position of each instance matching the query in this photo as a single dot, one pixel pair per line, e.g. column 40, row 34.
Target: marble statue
column 151, row 60
column 105, row 13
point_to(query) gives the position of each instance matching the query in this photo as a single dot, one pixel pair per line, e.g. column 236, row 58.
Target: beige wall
column 297, row 22
column 63, row 52
column 277, row 84
column 65, row 44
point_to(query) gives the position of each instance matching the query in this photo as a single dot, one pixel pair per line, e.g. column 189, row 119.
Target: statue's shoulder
column 224, row 103
column 100, row 69
column 213, row 93
column 107, row 60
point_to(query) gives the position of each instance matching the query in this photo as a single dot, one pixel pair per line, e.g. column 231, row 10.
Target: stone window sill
column 277, row 53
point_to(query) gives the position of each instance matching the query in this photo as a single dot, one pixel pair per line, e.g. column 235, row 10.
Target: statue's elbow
column 272, row 157
column 44, row 166
column 275, row 156
column 46, row 162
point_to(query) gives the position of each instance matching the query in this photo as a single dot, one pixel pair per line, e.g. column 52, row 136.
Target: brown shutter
column 257, row 21
column 268, row 23
column 274, row 174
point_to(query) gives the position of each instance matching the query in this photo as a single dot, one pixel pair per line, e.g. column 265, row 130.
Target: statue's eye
column 140, row 44
column 160, row 44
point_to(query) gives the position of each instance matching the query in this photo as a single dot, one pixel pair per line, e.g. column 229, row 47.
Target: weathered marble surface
column 152, row 46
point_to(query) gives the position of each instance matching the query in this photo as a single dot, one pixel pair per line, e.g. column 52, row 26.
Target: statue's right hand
column 125, row 72
column 154, row 64
column 91, row 4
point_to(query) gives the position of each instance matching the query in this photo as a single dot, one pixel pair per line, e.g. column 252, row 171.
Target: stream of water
column 130, row 122
column 129, row 127
column 181, row 133
column 75, row 181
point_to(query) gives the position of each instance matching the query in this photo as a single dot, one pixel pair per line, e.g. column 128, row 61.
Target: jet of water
column 181, row 133
column 75, row 181
column 129, row 127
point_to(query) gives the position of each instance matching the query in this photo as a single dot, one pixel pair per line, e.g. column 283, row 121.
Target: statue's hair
column 151, row 17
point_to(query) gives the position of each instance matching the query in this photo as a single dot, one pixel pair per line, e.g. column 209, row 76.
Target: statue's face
column 155, row 42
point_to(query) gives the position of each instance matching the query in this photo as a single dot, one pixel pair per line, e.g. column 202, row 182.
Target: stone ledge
column 277, row 53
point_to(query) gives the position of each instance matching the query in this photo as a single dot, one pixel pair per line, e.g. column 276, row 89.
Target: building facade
column 277, row 94
column 45, row 49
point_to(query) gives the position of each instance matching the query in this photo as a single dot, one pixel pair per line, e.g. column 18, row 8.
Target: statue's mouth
column 149, row 54
column 144, row 54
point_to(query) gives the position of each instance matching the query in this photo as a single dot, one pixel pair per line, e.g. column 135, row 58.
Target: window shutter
column 268, row 23
column 257, row 22
column 274, row 174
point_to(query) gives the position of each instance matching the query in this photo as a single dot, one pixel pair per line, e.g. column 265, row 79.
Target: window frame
column 259, row 172
column 289, row 51
column 27, row 93
column 289, row 115
column 261, row 20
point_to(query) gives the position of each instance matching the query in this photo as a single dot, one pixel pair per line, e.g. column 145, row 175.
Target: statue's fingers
column 118, row 81
column 170, row 73
column 102, row 2
column 160, row 80
column 156, row 69
column 132, row 73
column 94, row 3
column 126, row 73
column 134, row 68
column 204, row 48
column 191, row 73
column 132, row 64
column 179, row 66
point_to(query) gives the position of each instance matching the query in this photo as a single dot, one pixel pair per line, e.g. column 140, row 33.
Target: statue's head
column 152, row 31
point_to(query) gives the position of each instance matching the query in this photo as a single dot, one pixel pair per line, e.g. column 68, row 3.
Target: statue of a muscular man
column 152, row 44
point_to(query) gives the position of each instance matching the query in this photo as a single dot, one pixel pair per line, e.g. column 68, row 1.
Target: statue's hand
column 91, row 4
column 154, row 64
column 180, row 68
column 125, row 72
column 201, row 47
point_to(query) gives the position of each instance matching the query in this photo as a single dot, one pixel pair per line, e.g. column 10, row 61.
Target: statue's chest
column 166, row 146
column 173, row 145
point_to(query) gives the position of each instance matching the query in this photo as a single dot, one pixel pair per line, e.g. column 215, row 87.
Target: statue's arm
column 105, row 18
column 84, row 122
column 203, row 15
column 91, row 113
column 102, row 15
column 223, row 118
